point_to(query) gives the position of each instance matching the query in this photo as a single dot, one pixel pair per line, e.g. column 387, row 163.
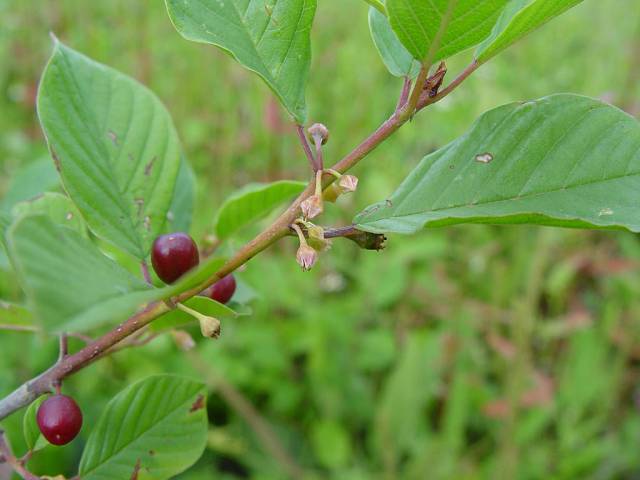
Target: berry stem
column 145, row 272
column 307, row 149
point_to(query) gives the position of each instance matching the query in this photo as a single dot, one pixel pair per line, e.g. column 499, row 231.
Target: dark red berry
column 173, row 255
column 222, row 290
column 59, row 419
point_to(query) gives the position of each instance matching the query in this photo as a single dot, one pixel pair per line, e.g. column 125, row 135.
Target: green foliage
column 181, row 209
column 30, row 181
column 518, row 19
column 115, row 146
column 156, row 427
column 396, row 58
column 56, row 206
column 270, row 38
column 70, row 284
column 12, row 314
column 178, row 318
column 564, row 160
column 251, row 203
column 417, row 24
column 32, row 436
column 321, row 354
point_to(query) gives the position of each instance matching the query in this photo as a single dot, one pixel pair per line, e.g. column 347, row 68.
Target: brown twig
column 32, row 389
column 404, row 94
column 8, row 458
column 411, row 106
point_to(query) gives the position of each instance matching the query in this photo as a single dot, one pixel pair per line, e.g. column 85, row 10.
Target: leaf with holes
column 57, row 207
column 156, row 427
column 396, row 58
column 563, row 160
column 269, row 37
column 518, row 19
column 251, row 203
column 115, row 147
column 70, row 284
column 417, row 24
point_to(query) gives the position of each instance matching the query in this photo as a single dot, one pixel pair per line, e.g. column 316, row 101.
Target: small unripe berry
column 319, row 132
column 222, row 290
column 173, row 255
column 59, row 419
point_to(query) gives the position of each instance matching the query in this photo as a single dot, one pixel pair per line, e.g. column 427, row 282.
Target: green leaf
column 196, row 276
column 417, row 22
column 252, row 203
column 5, row 222
column 115, row 146
column 563, row 160
column 400, row 411
column 56, row 206
column 177, row 318
column 32, row 436
column 269, row 37
column 69, row 283
column 396, row 58
column 181, row 209
column 29, row 181
column 331, row 443
column 157, row 427
column 13, row 314
column 520, row 18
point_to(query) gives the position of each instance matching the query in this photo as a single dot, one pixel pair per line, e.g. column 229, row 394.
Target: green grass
column 474, row 352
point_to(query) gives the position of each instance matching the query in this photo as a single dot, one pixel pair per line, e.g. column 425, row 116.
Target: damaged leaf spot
column 149, row 166
column 69, row 216
column 147, row 223
column 484, row 157
column 198, row 404
column 113, row 137
column 140, row 204
column 605, row 212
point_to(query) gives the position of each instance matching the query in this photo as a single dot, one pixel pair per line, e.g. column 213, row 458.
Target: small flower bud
column 316, row 238
column 312, row 206
column 209, row 326
column 306, row 257
column 348, row 183
column 318, row 131
column 183, row 340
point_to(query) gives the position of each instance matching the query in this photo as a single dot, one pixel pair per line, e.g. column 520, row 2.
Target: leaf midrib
column 144, row 432
column 518, row 198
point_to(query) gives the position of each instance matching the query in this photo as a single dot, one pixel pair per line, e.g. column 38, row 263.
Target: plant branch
column 410, row 108
column 404, row 94
column 43, row 383
column 7, row 456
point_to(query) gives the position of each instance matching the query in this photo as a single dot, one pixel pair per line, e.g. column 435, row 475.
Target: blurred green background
column 475, row 352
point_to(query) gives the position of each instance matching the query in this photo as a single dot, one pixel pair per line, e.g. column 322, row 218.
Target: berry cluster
column 174, row 254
